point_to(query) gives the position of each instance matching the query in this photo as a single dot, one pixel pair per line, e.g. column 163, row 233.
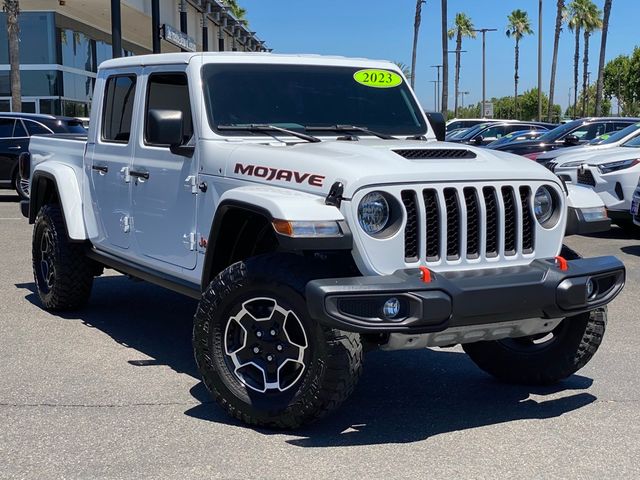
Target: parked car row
column 15, row 131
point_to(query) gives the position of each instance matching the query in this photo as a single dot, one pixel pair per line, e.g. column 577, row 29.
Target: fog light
column 591, row 289
column 391, row 308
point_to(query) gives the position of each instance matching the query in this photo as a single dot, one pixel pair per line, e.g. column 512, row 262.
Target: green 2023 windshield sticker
column 377, row 78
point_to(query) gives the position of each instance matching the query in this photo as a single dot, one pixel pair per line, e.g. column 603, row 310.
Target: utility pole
column 438, row 67
column 462, row 94
column 539, row 60
column 116, row 29
column 484, row 31
column 155, row 25
column 435, row 94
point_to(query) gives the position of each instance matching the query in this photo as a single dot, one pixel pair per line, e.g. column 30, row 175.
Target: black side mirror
column 478, row 140
column 571, row 140
column 164, row 127
column 438, row 124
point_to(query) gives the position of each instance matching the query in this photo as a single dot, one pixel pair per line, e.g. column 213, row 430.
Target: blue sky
column 384, row 29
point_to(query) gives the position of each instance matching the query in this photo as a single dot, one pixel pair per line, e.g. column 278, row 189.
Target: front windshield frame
column 472, row 131
column 415, row 121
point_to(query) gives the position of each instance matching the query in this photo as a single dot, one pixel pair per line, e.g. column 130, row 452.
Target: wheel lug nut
column 259, row 334
column 273, row 332
column 270, row 358
column 256, row 350
column 280, row 348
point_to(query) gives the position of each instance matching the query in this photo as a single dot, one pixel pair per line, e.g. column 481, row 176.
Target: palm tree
column 445, row 58
column 603, row 48
column 12, row 8
column 519, row 25
column 578, row 10
column 591, row 21
column 416, row 29
column 462, row 27
column 237, row 11
column 560, row 17
column 406, row 71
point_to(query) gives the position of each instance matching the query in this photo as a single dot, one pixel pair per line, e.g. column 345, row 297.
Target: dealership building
column 62, row 42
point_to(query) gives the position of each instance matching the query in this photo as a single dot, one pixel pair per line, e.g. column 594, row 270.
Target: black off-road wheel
column 546, row 358
column 264, row 360
column 62, row 272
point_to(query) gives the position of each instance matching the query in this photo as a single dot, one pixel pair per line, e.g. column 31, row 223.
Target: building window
column 37, row 38
column 118, row 108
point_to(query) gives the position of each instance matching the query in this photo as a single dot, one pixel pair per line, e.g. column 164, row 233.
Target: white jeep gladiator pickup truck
column 305, row 201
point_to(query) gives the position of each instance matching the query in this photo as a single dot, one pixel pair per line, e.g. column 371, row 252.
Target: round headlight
column 373, row 213
column 543, row 205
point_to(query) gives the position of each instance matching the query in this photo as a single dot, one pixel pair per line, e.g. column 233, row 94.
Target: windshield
column 634, row 142
column 472, row 131
column 607, row 139
column 559, row 132
column 298, row 96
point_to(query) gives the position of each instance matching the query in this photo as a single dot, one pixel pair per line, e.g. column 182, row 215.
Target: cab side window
column 118, row 108
column 169, row 91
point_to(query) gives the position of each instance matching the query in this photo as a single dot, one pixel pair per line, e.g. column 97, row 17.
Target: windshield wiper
column 350, row 128
column 269, row 128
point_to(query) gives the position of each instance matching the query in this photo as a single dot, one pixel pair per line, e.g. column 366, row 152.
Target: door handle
column 100, row 168
column 14, row 148
column 144, row 175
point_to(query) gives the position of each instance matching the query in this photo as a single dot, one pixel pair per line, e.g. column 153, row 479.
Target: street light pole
column 484, row 31
column 435, row 94
column 462, row 94
column 438, row 67
column 539, row 60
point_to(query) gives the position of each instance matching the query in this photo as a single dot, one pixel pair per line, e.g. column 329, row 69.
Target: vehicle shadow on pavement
column 402, row 397
column 6, row 198
column 615, row 233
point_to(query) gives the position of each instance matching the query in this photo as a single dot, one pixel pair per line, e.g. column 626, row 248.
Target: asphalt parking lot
column 112, row 392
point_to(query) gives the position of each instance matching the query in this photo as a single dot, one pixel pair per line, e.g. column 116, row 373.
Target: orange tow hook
column 426, row 274
column 562, row 263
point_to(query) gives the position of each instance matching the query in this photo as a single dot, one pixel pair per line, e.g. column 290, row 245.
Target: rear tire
column 21, row 186
column 63, row 274
column 262, row 357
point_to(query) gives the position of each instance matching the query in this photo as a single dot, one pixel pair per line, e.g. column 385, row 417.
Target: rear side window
column 6, row 127
column 118, row 108
column 169, row 91
column 35, row 128
column 19, row 131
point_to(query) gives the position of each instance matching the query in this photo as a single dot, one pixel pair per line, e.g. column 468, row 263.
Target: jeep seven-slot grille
column 427, row 154
column 488, row 222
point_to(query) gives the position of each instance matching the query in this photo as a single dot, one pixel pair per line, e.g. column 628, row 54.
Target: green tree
column 592, row 21
column 528, row 105
column 561, row 13
column 12, row 8
column 616, row 83
column 462, row 27
column 237, row 11
column 416, row 30
column 590, row 101
column 603, row 48
column 519, row 25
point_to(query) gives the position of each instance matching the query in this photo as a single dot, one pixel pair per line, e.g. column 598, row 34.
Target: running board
column 163, row 280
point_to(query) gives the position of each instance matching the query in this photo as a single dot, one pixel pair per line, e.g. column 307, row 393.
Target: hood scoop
column 433, row 153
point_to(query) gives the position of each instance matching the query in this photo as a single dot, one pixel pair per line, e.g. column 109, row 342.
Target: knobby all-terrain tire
column 520, row 360
column 575, row 341
column 333, row 363
column 65, row 282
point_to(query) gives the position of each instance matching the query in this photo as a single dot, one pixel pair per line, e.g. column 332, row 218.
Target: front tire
column 63, row 274
column 544, row 360
column 261, row 355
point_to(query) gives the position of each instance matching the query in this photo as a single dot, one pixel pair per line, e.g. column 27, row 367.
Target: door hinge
column 124, row 171
column 192, row 182
column 189, row 240
column 125, row 223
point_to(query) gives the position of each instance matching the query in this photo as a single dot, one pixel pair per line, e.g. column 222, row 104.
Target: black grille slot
column 528, row 231
column 491, row 203
column 586, row 177
column 411, row 230
column 473, row 222
column 432, row 225
column 427, row 154
column 510, row 221
column 453, row 223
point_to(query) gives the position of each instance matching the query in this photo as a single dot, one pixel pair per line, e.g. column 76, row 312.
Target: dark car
column 519, row 136
column 15, row 130
column 485, row 133
column 576, row 132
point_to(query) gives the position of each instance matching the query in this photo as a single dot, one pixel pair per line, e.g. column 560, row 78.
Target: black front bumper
column 455, row 299
column 578, row 225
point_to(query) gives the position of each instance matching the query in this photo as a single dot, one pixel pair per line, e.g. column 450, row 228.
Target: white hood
column 603, row 156
column 314, row 167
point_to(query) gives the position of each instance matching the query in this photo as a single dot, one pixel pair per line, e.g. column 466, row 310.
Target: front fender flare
column 67, row 187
